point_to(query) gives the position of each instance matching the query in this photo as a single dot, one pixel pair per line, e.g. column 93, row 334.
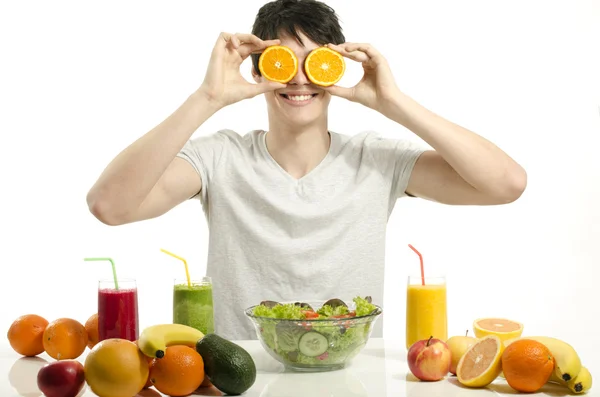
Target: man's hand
column 463, row 168
column 223, row 84
column 377, row 87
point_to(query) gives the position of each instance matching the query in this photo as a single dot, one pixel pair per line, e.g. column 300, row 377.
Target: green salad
column 340, row 335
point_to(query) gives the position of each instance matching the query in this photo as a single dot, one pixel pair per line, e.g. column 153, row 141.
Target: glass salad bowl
column 314, row 336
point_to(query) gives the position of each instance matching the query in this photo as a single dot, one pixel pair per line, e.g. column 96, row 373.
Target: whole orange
column 25, row 334
column 91, row 327
column 527, row 365
column 179, row 372
column 65, row 338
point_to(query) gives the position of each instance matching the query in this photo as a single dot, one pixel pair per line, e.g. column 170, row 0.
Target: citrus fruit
column 324, row 66
column 481, row 363
column 503, row 328
column 179, row 372
column 527, row 365
column 65, row 338
column 278, row 63
column 25, row 334
column 116, row 368
column 150, row 361
column 91, row 327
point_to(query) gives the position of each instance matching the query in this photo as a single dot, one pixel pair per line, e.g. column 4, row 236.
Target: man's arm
column 147, row 179
column 464, row 168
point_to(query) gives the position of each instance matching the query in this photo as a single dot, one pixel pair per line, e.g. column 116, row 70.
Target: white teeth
column 299, row 97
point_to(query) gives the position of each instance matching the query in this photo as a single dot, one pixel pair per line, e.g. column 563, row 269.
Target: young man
column 297, row 212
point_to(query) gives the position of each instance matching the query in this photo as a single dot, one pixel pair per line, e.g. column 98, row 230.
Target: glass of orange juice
column 426, row 310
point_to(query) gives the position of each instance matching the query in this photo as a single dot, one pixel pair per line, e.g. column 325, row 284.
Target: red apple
column 429, row 359
column 64, row 378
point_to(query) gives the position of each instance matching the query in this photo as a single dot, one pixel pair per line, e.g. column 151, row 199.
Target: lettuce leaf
column 288, row 311
column 327, row 311
column 363, row 307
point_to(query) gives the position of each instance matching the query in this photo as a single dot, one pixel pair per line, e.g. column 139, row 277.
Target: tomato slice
column 343, row 316
column 310, row 314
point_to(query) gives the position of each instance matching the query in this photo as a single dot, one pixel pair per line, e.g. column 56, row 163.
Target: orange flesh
column 496, row 324
column 278, row 64
column 324, row 66
column 479, row 359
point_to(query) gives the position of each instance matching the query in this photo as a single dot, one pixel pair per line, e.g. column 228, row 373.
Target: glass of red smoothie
column 118, row 310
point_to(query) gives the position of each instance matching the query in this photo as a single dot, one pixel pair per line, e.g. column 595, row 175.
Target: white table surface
column 379, row 370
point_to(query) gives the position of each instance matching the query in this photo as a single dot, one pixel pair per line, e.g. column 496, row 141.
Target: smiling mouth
column 298, row 98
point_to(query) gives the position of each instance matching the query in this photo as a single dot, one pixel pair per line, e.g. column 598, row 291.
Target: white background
column 81, row 80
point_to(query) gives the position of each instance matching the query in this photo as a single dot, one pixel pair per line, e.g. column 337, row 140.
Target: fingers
column 342, row 92
column 256, row 47
column 249, row 38
column 360, row 52
column 357, row 56
column 223, row 39
column 245, row 43
column 265, row 86
column 362, row 47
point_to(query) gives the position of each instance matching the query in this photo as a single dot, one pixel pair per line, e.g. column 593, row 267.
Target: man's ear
column 255, row 75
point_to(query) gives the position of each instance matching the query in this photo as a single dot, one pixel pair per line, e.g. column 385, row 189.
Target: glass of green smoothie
column 193, row 304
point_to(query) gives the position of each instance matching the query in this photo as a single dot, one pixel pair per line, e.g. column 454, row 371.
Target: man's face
column 301, row 103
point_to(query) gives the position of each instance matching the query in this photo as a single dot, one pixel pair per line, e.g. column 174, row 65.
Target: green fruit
column 227, row 365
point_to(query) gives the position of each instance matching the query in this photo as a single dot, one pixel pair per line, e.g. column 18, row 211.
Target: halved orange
column 503, row 328
column 278, row 63
column 482, row 362
column 324, row 66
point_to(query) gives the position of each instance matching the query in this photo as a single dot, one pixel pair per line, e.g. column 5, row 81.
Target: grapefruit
column 482, row 362
column 116, row 368
column 503, row 328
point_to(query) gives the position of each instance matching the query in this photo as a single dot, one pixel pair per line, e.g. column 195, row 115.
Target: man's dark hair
column 315, row 19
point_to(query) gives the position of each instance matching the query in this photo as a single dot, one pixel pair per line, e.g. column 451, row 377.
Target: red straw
column 421, row 260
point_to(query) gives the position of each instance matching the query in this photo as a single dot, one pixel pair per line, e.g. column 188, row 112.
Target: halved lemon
column 482, row 362
column 503, row 328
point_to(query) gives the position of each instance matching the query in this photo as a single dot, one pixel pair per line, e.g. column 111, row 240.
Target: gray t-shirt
column 272, row 237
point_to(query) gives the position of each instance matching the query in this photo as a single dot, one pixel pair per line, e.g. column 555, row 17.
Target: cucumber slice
column 313, row 344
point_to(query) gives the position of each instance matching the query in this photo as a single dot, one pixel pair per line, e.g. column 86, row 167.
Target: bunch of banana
column 580, row 384
column 154, row 340
column 568, row 370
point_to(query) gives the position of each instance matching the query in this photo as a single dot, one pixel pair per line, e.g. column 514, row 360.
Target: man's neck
column 298, row 151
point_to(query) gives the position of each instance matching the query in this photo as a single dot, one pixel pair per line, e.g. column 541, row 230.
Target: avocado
column 227, row 365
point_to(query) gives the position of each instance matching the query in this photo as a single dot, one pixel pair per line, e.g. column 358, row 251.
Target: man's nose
column 300, row 77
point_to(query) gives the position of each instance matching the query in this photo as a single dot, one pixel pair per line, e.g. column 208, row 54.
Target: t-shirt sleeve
column 204, row 154
column 396, row 159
